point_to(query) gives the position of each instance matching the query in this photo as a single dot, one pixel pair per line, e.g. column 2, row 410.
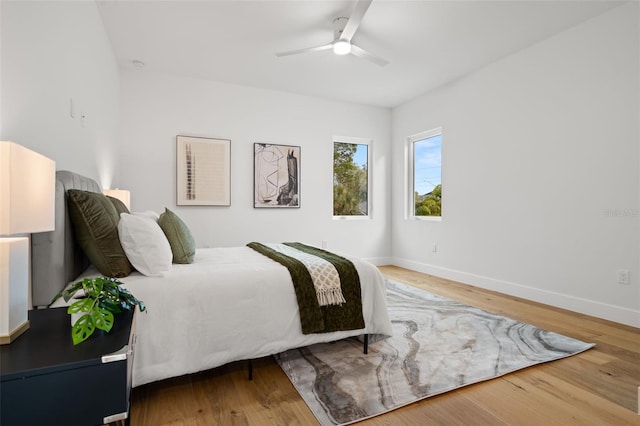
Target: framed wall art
column 203, row 171
column 276, row 173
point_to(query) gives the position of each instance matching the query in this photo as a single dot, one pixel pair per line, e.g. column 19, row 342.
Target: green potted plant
column 101, row 298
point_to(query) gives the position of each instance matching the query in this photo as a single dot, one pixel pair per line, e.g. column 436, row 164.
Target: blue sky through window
column 360, row 157
column 427, row 165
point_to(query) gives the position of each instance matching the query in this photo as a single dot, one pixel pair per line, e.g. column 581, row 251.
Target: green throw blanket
column 313, row 317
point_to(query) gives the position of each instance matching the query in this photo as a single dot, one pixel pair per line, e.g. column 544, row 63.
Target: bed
column 230, row 304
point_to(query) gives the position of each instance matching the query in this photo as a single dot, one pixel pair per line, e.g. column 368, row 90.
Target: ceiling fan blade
column 306, row 50
column 361, row 53
column 354, row 20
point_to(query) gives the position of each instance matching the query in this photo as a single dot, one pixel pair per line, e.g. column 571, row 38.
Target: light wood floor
column 596, row 387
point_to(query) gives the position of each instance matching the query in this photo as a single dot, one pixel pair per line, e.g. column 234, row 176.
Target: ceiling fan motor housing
column 338, row 27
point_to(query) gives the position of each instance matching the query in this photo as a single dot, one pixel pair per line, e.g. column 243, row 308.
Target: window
column 351, row 177
column 425, row 156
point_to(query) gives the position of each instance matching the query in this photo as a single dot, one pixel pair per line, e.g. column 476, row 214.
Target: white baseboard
column 577, row 304
column 379, row 261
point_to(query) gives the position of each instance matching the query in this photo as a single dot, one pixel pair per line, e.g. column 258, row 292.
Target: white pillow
column 148, row 213
column 145, row 244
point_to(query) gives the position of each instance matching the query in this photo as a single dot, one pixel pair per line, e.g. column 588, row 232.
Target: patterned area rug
column 438, row 345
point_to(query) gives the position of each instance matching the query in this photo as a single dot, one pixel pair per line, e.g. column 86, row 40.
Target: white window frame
column 356, row 141
column 410, row 175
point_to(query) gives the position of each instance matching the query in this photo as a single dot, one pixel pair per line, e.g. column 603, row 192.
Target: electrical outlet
column 623, row 276
column 434, row 248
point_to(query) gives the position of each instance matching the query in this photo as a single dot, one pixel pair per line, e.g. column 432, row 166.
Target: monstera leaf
column 99, row 300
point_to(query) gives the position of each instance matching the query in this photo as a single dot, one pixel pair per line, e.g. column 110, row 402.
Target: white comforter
column 230, row 304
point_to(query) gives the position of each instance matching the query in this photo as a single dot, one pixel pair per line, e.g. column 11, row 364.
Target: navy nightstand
column 45, row 379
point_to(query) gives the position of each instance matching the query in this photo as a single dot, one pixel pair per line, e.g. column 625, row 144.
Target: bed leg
column 366, row 344
column 250, row 369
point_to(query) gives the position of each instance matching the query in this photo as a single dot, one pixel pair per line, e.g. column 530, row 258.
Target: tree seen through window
column 350, row 179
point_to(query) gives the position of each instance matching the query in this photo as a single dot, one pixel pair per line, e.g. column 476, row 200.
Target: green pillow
column 119, row 205
column 95, row 223
column 180, row 239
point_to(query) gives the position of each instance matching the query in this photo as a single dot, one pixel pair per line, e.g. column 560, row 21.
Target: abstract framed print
column 276, row 173
column 203, row 171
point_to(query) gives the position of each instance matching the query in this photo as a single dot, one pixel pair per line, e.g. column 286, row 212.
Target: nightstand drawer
column 47, row 380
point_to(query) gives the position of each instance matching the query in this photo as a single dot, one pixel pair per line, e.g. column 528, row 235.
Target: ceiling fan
column 344, row 30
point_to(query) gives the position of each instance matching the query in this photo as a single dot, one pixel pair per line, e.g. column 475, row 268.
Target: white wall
column 540, row 172
column 156, row 108
column 52, row 52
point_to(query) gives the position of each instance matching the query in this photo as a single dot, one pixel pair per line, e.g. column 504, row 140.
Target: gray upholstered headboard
column 56, row 259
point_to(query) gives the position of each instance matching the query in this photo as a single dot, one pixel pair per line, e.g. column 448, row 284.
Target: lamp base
column 5, row 339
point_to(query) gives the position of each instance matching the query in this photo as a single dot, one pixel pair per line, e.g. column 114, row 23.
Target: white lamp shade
column 27, row 190
column 121, row 194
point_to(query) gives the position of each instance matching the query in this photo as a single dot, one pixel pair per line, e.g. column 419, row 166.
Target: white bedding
column 230, row 304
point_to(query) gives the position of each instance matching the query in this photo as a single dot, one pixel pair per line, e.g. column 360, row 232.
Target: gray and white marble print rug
column 438, row 345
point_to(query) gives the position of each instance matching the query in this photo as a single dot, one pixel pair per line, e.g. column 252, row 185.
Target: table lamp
column 121, row 194
column 27, row 205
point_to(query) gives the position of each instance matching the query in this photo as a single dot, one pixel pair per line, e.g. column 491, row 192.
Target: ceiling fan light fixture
column 341, row 47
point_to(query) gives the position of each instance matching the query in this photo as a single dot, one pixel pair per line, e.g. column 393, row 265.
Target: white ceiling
column 428, row 43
